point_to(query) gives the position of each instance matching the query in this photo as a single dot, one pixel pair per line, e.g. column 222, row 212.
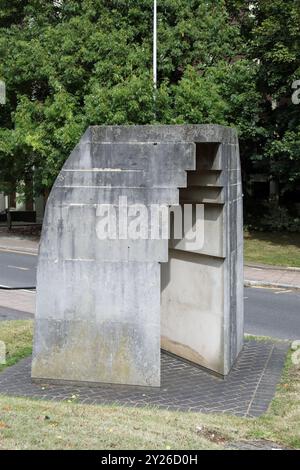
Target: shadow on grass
column 276, row 238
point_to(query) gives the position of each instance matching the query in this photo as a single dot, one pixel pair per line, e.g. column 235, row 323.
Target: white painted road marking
column 17, row 252
column 283, row 291
column 19, row 267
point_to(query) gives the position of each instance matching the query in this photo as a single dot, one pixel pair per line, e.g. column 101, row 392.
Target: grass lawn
column 33, row 424
column 281, row 249
column 17, row 336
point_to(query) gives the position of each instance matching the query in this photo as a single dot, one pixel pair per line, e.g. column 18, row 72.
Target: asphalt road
column 272, row 312
column 268, row 312
column 17, row 269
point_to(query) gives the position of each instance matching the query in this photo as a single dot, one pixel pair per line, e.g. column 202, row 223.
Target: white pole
column 155, row 45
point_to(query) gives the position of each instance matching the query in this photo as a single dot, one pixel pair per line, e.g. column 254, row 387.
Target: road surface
column 268, row 312
column 272, row 312
column 17, row 269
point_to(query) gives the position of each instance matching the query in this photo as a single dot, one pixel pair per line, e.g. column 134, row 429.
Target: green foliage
column 273, row 218
column 127, row 102
column 198, row 99
column 274, row 39
column 70, row 64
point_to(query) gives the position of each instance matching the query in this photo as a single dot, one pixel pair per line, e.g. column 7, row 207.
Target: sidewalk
column 272, row 276
column 18, row 300
column 19, row 244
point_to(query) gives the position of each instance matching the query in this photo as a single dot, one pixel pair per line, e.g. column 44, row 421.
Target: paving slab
column 19, row 244
column 12, row 314
column 21, row 300
column 275, row 276
column 246, row 391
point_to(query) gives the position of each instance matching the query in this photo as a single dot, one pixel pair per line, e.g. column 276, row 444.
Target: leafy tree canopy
column 68, row 64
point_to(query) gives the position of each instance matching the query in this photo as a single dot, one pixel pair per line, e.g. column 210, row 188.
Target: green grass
column 34, row 424
column 278, row 249
column 17, row 336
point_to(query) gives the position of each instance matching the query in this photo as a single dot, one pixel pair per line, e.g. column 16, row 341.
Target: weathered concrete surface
column 202, row 290
column 192, row 308
column 99, row 302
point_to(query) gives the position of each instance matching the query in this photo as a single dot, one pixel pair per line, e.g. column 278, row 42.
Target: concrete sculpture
column 105, row 306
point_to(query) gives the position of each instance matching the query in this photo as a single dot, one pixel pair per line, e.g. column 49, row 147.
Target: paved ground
column 21, row 244
column 11, row 314
column 272, row 312
column 268, row 312
column 276, row 276
column 20, row 300
column 256, row 274
column 247, row 391
column 17, row 269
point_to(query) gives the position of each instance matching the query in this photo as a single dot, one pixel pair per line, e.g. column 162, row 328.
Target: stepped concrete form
column 105, row 307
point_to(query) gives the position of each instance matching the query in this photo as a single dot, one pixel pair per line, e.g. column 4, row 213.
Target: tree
column 70, row 64
column 271, row 34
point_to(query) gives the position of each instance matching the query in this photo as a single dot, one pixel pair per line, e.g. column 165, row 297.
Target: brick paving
column 247, row 391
